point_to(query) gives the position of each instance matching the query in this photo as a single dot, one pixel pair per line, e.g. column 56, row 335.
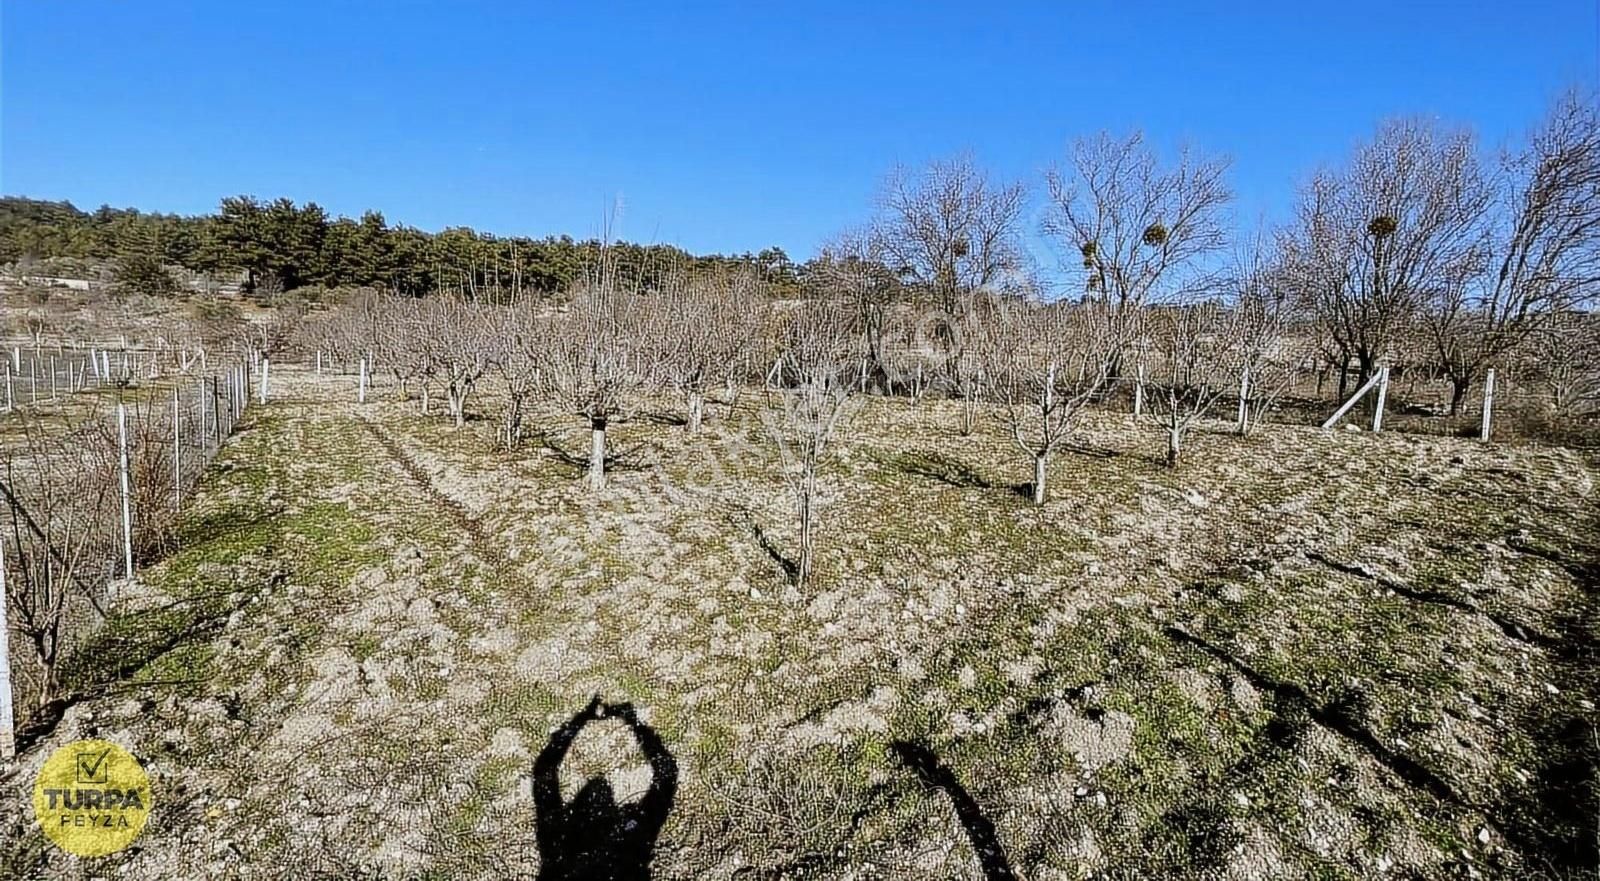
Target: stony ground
column 1302, row 654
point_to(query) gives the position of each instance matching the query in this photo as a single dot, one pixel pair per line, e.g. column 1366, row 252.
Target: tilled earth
column 1301, row 654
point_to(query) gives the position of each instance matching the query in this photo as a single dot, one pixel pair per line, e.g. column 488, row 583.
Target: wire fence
column 34, row 375
column 91, row 492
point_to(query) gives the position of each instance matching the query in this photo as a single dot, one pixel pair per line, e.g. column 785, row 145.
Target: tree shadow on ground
column 979, row 828
column 622, row 460
column 791, row 569
column 1092, row 452
column 953, row 472
column 659, row 418
column 1554, row 815
column 593, row 837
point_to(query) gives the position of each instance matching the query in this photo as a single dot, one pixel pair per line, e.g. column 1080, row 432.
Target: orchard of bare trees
column 1422, row 254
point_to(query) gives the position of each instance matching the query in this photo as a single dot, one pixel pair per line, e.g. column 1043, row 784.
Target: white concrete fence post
column 177, row 454
column 127, row 491
column 1488, row 405
column 8, row 738
column 1383, row 397
column 201, row 428
column 1360, row 393
column 1138, row 394
column 1244, row 399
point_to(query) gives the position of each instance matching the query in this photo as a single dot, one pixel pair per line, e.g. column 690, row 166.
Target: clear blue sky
column 722, row 126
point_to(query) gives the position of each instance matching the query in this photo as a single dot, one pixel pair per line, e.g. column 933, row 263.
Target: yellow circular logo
column 92, row 798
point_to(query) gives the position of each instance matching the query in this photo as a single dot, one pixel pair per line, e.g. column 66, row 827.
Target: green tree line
column 280, row 245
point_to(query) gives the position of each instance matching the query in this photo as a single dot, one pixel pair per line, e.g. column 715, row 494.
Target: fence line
column 34, row 374
column 84, row 500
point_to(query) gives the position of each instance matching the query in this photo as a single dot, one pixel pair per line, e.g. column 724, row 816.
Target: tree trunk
column 513, row 424
column 808, row 493
column 697, row 406
column 969, row 407
column 1174, row 445
column 597, row 454
column 1458, row 393
column 425, row 399
column 1364, row 367
column 1039, row 463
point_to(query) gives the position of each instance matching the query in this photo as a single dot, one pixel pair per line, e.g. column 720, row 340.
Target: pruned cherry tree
column 1270, row 346
column 852, row 267
column 1047, row 362
column 698, row 333
column 459, row 339
column 1195, row 365
column 520, row 342
column 1563, row 355
column 817, row 375
column 594, row 362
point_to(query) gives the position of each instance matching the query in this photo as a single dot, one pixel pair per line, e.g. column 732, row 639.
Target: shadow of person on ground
column 980, row 831
column 593, row 837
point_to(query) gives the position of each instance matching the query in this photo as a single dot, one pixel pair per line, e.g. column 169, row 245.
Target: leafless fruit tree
column 1564, row 355
column 697, row 332
column 1269, row 334
column 461, row 346
column 853, row 267
column 1196, row 365
column 594, row 362
column 520, row 340
column 1373, row 241
column 57, row 510
column 818, row 372
column 1544, row 246
column 952, row 233
column 1138, row 228
column 1047, row 363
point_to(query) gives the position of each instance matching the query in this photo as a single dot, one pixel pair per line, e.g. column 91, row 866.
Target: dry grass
column 1302, row 654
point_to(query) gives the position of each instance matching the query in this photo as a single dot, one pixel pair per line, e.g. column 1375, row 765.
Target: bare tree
column 818, row 372
column 1138, row 228
column 521, row 338
column 1271, row 346
column 1196, row 364
column 1547, row 241
column 1047, row 363
column 593, row 362
column 698, row 329
column 460, row 345
column 853, row 267
column 272, row 332
column 1564, row 355
column 56, row 526
column 1372, row 242
column 952, row 233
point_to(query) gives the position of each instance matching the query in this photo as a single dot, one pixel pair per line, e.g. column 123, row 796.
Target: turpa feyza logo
column 92, row 798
